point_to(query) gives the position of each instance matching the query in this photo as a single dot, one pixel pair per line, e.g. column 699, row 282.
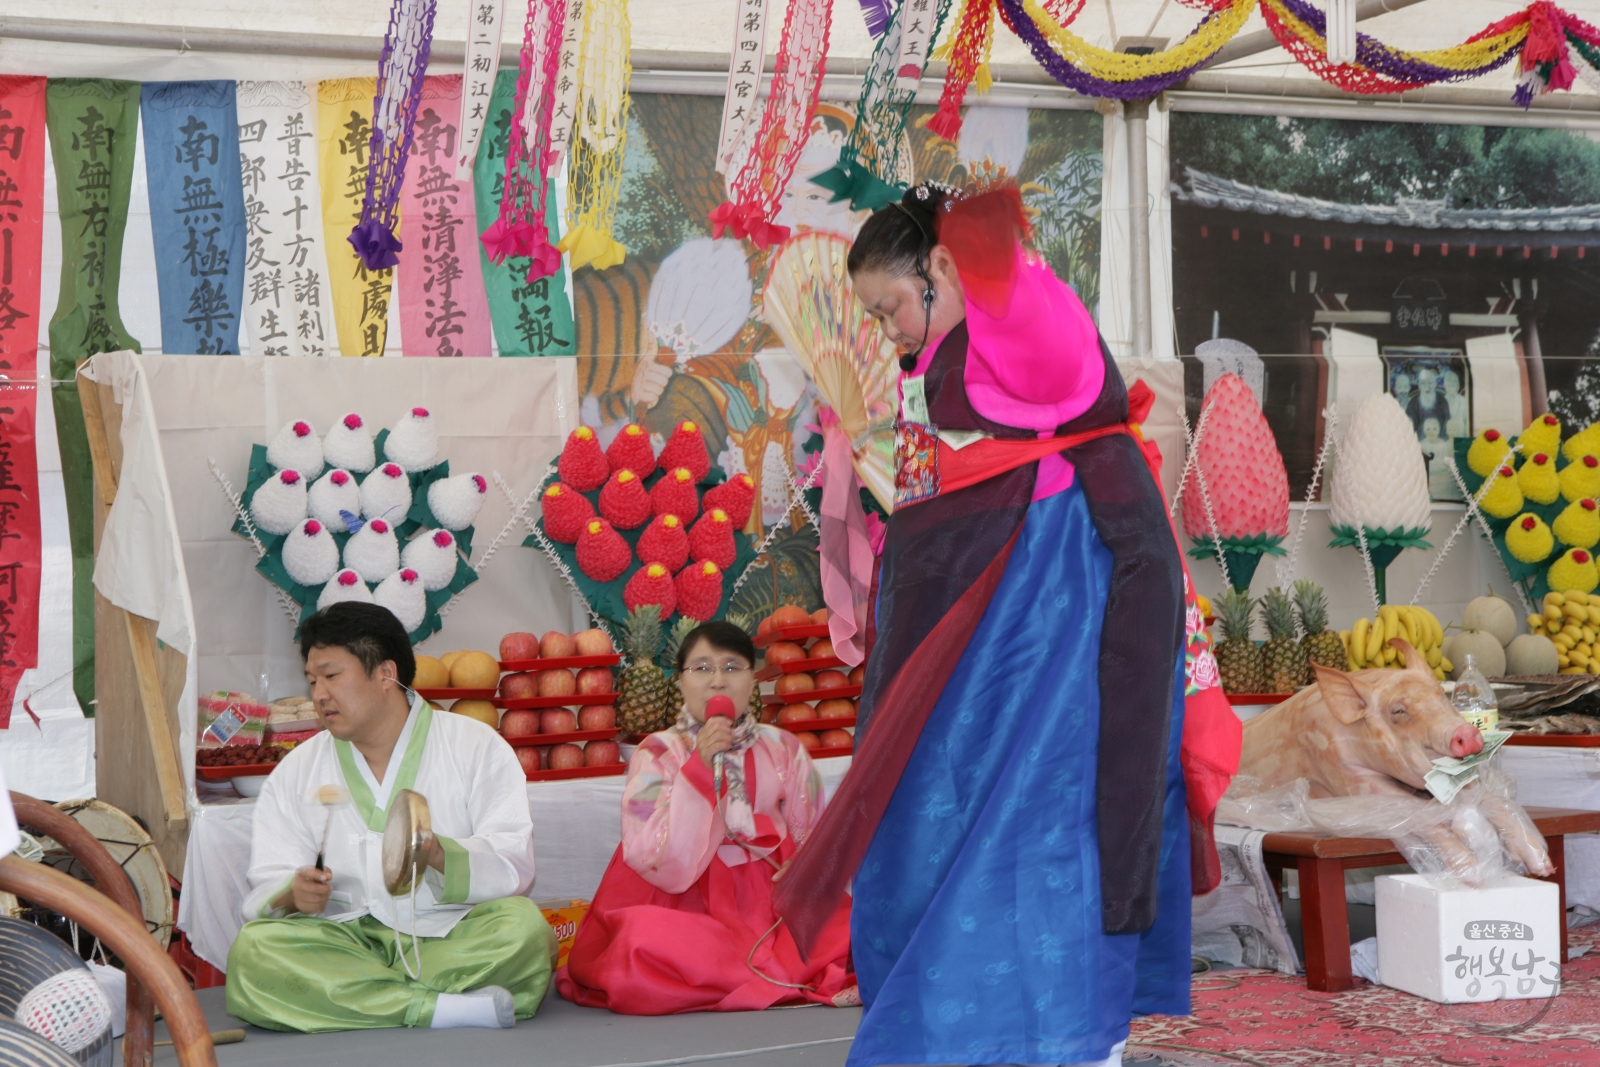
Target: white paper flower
column 1380, row 481
column 386, row 494
column 346, row 585
column 310, row 554
column 413, row 442
column 402, row 594
column 372, row 551
column 456, row 501
column 280, row 502
column 297, row 447
column 349, row 445
column 433, row 554
column 334, row 492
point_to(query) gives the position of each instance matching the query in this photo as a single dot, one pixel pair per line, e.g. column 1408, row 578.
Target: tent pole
column 1136, row 114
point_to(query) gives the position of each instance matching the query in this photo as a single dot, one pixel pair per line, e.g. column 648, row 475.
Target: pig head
column 1377, row 732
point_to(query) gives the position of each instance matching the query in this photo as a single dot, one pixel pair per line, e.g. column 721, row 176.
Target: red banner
column 22, row 135
column 20, row 561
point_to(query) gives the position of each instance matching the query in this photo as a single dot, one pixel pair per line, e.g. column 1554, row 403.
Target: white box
column 1501, row 941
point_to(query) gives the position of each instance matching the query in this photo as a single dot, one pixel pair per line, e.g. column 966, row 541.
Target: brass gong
column 407, row 830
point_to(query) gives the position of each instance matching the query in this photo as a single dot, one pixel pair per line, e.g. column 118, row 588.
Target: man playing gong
column 325, row 945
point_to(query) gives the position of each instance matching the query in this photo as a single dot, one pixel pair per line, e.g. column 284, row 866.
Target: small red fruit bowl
column 455, row 694
column 807, row 696
column 796, row 666
column 577, row 772
column 571, row 700
column 803, row 632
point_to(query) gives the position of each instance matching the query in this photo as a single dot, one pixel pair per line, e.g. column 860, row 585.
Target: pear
column 297, row 447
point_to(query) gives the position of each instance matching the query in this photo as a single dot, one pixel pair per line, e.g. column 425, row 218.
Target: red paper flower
column 565, row 512
column 675, row 494
column 602, row 553
column 623, row 501
column 631, row 451
column 583, row 465
column 687, row 448
column 736, row 496
column 700, row 590
column 665, row 541
column 651, row 584
column 712, row 538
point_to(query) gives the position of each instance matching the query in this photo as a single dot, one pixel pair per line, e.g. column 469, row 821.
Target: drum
column 130, row 846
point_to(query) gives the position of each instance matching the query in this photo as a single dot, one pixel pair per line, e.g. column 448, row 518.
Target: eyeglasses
column 703, row 671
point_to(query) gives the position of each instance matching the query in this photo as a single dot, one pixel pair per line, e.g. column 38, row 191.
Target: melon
column 1493, row 615
column 1481, row 645
column 1531, row 654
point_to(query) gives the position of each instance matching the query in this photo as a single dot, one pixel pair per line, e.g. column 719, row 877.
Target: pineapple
column 1322, row 646
column 1239, row 661
column 1285, row 659
column 669, row 656
column 646, row 701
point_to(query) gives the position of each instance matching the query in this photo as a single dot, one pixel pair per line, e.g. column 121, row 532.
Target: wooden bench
column 1321, row 861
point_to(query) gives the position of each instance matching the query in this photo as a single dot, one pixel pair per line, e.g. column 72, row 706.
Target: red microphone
column 719, row 707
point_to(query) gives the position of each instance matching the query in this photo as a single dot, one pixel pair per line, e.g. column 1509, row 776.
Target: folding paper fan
column 811, row 305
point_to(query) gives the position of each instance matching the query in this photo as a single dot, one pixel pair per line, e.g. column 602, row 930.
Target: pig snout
column 1465, row 741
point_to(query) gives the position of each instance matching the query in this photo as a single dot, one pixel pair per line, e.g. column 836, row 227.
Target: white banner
column 566, row 91
column 287, row 306
column 917, row 19
column 486, row 22
column 739, row 106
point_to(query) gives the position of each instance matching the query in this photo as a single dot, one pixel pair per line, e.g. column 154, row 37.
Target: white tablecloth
column 577, row 825
column 1560, row 777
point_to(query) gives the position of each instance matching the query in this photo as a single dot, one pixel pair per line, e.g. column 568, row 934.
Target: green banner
column 93, row 123
column 530, row 318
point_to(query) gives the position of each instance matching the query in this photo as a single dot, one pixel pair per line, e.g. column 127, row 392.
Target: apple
column 475, row 670
column 825, row 680
column 544, row 756
column 595, row 680
column 837, row 739
column 481, row 710
column 789, row 615
column 819, row 617
column 594, row 643
column 557, row 683
column 597, row 717
column 784, row 652
column 565, row 757
column 769, row 713
column 520, row 686
column 859, row 675
column 796, row 713
column 799, row 682
column 808, row 739
column 764, row 629
column 837, row 708
column 528, row 756
column 557, row 721
column 557, row 645
column 519, row 723
column 601, row 754
column 431, row 674
column 822, row 649
column 518, row 646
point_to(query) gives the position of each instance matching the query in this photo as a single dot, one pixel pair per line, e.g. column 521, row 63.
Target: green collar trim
column 360, row 794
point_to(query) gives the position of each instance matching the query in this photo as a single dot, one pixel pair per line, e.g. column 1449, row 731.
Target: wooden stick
column 218, row 1037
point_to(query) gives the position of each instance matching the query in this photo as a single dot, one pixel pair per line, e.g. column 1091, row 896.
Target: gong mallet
column 330, row 797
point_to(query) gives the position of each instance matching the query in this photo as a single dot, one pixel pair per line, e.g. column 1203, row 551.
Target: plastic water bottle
column 1474, row 698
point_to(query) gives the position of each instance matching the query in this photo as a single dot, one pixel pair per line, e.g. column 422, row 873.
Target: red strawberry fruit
column 631, row 451
column 651, row 584
column 675, row 494
column 582, row 465
column 687, row 448
column 665, row 541
column 623, row 501
column 700, row 590
column 712, row 538
column 565, row 512
column 736, row 496
column 602, row 553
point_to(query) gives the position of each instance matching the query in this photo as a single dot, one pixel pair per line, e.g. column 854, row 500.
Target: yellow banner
column 344, row 131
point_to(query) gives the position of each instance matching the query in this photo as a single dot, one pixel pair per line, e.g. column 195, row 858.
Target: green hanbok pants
column 316, row 975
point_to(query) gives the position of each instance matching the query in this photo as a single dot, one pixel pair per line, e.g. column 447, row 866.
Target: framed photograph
column 1434, row 386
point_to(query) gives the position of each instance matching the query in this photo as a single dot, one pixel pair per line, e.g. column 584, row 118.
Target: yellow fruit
column 1433, row 655
column 1575, row 611
column 1581, row 478
column 475, row 670
column 1576, row 596
column 1579, row 657
column 482, row 710
column 1586, row 440
column 431, row 674
column 1563, row 641
column 1504, row 497
column 1438, row 674
column 1535, row 622
column 1488, row 451
column 1374, row 641
column 1574, row 570
column 1204, row 605
column 449, row 658
column 1553, row 611
column 1573, row 670
column 1594, row 615
column 1357, row 645
column 1446, row 665
column 1594, row 666
column 1578, row 525
column 1538, row 480
column 1543, row 434
column 1562, row 660
column 1529, row 539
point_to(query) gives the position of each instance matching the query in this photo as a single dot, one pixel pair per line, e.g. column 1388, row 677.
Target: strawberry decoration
column 631, row 451
column 712, row 539
column 736, row 496
column 623, row 501
column 583, row 465
column 675, row 494
column 602, row 553
column 665, row 541
column 651, row 584
column 700, row 590
column 565, row 512
column 687, row 448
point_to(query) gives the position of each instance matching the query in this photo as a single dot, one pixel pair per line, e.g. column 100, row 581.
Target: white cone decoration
column 346, row 585
column 372, row 551
column 349, row 445
column 1380, row 481
column 433, row 555
column 334, row 492
column 413, row 443
column 386, row 494
column 456, row 501
column 402, row 594
column 280, row 503
column 297, row 447
column 310, row 554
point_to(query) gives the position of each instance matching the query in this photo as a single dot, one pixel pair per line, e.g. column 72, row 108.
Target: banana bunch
column 1366, row 644
column 1572, row 622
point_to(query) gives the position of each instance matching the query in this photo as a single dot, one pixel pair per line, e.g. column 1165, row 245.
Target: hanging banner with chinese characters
column 360, row 296
column 287, row 306
column 20, row 559
column 443, row 310
column 92, row 123
column 744, row 77
column 918, row 20
column 191, row 149
column 565, row 108
column 485, row 23
column 529, row 318
column 21, row 223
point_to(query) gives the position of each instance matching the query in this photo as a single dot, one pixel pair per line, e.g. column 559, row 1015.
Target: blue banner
column 191, row 155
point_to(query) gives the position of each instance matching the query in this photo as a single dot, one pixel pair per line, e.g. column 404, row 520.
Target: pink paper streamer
column 846, row 547
column 444, row 310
